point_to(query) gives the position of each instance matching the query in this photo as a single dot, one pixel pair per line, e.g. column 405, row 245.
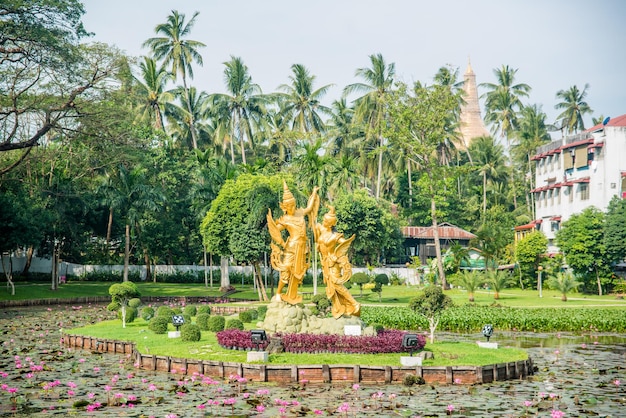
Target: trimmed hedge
column 147, row 313
column 190, row 332
column 158, row 324
column 216, row 323
column 202, row 320
column 234, row 324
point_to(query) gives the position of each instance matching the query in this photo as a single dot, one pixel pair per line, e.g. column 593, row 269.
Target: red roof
column 446, row 231
column 616, row 121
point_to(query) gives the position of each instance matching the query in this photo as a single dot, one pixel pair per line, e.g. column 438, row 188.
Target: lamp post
column 539, row 271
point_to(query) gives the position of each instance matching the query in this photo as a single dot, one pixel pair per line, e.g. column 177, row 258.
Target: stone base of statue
column 257, row 356
column 173, row 334
column 297, row 319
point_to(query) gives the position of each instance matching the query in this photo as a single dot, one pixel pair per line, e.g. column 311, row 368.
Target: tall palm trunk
column 192, row 123
column 126, row 252
column 433, row 214
column 380, row 167
column 109, row 227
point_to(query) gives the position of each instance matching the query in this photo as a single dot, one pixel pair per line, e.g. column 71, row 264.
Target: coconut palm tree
column 177, row 52
column 243, row 106
column 183, row 118
column 469, row 280
column 502, row 103
column 300, row 103
column 498, row 280
column 370, row 109
column 574, row 107
column 488, row 157
column 532, row 133
column 151, row 88
column 564, row 282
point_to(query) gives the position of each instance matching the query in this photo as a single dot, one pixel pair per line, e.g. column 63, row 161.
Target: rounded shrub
column 113, row 306
column 203, row 309
column 254, row 313
column 190, row 310
column 261, row 310
column 245, row 316
column 187, row 318
column 147, row 313
column 216, row 323
column 234, row 324
column 165, row 311
column 381, row 279
column 131, row 314
column 177, row 310
column 158, row 324
column 190, row 332
column 134, row 302
column 202, row 320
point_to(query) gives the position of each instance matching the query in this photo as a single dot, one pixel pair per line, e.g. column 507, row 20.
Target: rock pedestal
column 298, row 319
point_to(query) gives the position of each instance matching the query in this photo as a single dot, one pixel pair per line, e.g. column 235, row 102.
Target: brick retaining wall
column 288, row 374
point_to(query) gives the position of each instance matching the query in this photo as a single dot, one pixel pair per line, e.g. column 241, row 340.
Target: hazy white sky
column 554, row 44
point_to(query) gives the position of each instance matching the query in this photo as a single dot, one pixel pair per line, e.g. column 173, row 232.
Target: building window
column 583, row 188
column 557, row 192
column 554, row 226
column 570, row 191
column 551, row 197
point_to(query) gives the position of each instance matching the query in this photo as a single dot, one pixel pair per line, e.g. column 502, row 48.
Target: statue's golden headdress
column 287, row 195
column 331, row 213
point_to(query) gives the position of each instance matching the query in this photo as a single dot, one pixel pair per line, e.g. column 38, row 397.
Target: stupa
column 472, row 125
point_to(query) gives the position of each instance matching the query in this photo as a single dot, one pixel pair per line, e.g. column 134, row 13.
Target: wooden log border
column 290, row 374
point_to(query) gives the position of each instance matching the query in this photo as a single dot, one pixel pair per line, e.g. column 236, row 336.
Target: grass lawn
column 391, row 295
column 147, row 342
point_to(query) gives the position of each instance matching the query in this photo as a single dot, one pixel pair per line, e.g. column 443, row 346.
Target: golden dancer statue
column 336, row 267
column 290, row 257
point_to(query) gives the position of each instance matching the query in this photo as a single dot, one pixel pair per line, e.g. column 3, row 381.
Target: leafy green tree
column 419, row 122
column 615, row 230
column 179, row 53
column 377, row 230
column 455, row 257
column 581, row 238
column 574, row 108
column 488, row 156
column 529, row 251
column 312, row 168
column 121, row 294
column 235, row 224
column 370, row 109
column 379, row 281
column 360, row 279
column 469, row 280
column 493, row 236
column 563, row 282
column 431, row 303
column 184, row 116
column 37, row 38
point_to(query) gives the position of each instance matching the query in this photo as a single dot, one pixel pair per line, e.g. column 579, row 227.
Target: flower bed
column 388, row 341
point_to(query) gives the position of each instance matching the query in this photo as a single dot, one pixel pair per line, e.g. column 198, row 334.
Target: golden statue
column 336, row 267
column 290, row 257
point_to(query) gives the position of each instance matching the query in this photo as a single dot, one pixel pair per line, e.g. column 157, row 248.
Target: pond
column 577, row 376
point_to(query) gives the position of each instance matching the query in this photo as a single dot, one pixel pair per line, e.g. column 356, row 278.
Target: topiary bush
column 245, row 316
column 177, row 310
column 134, row 302
column 216, row 323
column 262, row 311
column 322, row 303
column 202, row 320
column 203, row 309
column 187, row 318
column 234, row 324
column 113, row 306
column 165, row 311
column 254, row 313
column 190, row 310
column 158, row 324
column 147, row 313
column 131, row 314
column 190, row 332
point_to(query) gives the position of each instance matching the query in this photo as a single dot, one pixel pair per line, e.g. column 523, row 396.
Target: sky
column 553, row 44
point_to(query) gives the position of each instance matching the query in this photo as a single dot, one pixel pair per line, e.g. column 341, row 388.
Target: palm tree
column 341, row 129
column 129, row 192
column 312, row 169
column 300, row 104
column 488, row 157
column 502, row 104
column 176, row 51
column 498, row 280
column 183, row 119
column 532, row 133
column 370, row 108
column 469, row 280
column 151, row 88
column 564, row 283
column 574, row 107
column 458, row 254
column 243, row 107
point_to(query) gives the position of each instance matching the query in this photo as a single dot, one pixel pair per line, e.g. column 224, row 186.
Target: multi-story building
column 576, row 172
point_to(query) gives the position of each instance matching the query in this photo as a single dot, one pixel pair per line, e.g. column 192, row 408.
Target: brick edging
column 288, row 374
